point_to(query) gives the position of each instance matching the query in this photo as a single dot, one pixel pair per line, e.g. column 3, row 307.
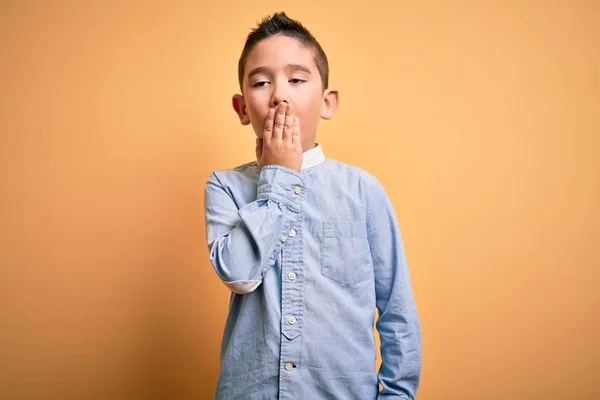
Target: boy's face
column 278, row 69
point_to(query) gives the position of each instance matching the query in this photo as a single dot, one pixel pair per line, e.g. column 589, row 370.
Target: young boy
column 309, row 246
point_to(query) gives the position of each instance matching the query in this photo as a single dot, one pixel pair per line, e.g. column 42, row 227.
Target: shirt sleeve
column 398, row 322
column 243, row 243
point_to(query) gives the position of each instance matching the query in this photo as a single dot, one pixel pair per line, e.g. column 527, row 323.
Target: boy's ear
column 331, row 99
column 239, row 105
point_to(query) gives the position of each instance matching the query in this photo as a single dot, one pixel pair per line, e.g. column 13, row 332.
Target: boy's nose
column 275, row 103
column 278, row 97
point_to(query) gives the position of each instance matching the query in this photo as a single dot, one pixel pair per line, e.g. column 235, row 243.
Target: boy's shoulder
column 352, row 173
column 243, row 171
column 351, row 169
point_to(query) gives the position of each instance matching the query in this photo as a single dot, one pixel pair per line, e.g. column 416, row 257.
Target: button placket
column 291, row 298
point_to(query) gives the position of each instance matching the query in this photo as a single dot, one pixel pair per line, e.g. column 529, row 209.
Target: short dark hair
column 280, row 24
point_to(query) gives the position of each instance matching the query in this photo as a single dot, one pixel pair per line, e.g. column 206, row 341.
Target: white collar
column 313, row 157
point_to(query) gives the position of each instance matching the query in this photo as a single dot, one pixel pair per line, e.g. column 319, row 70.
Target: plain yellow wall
column 480, row 118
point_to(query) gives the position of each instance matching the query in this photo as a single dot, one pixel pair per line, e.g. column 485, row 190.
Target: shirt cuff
column 283, row 185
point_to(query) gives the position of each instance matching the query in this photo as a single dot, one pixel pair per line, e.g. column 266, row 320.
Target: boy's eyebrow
column 293, row 67
column 257, row 70
column 298, row 67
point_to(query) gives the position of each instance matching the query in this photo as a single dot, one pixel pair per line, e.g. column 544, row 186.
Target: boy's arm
column 398, row 322
column 243, row 243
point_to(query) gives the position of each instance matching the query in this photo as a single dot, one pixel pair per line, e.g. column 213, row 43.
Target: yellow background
column 481, row 119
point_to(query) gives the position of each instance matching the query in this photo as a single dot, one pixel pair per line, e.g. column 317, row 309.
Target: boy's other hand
column 281, row 143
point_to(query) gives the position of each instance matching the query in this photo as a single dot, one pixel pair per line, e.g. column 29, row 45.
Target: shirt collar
column 313, row 157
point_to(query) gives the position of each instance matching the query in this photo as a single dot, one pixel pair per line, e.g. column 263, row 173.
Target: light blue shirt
column 308, row 257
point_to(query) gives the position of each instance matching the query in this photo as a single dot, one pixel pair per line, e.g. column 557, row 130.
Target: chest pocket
column 346, row 257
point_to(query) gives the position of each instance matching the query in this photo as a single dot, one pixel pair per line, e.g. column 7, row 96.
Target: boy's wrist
column 281, row 167
column 282, row 184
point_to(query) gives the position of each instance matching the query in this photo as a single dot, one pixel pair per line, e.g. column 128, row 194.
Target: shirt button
column 283, row 238
column 297, row 189
column 288, row 366
column 292, row 233
column 292, row 320
column 292, row 276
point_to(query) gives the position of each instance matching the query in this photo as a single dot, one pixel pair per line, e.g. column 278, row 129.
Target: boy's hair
column 280, row 24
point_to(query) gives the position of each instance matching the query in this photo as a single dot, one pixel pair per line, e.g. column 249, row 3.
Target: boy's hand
column 281, row 143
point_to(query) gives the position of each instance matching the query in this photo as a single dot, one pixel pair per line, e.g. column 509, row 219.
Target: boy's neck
column 310, row 147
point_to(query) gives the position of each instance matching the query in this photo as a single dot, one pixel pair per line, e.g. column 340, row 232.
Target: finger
column 268, row 132
column 279, row 121
column 296, row 137
column 288, row 127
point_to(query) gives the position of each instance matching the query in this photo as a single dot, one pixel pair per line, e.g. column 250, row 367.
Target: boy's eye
column 264, row 83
